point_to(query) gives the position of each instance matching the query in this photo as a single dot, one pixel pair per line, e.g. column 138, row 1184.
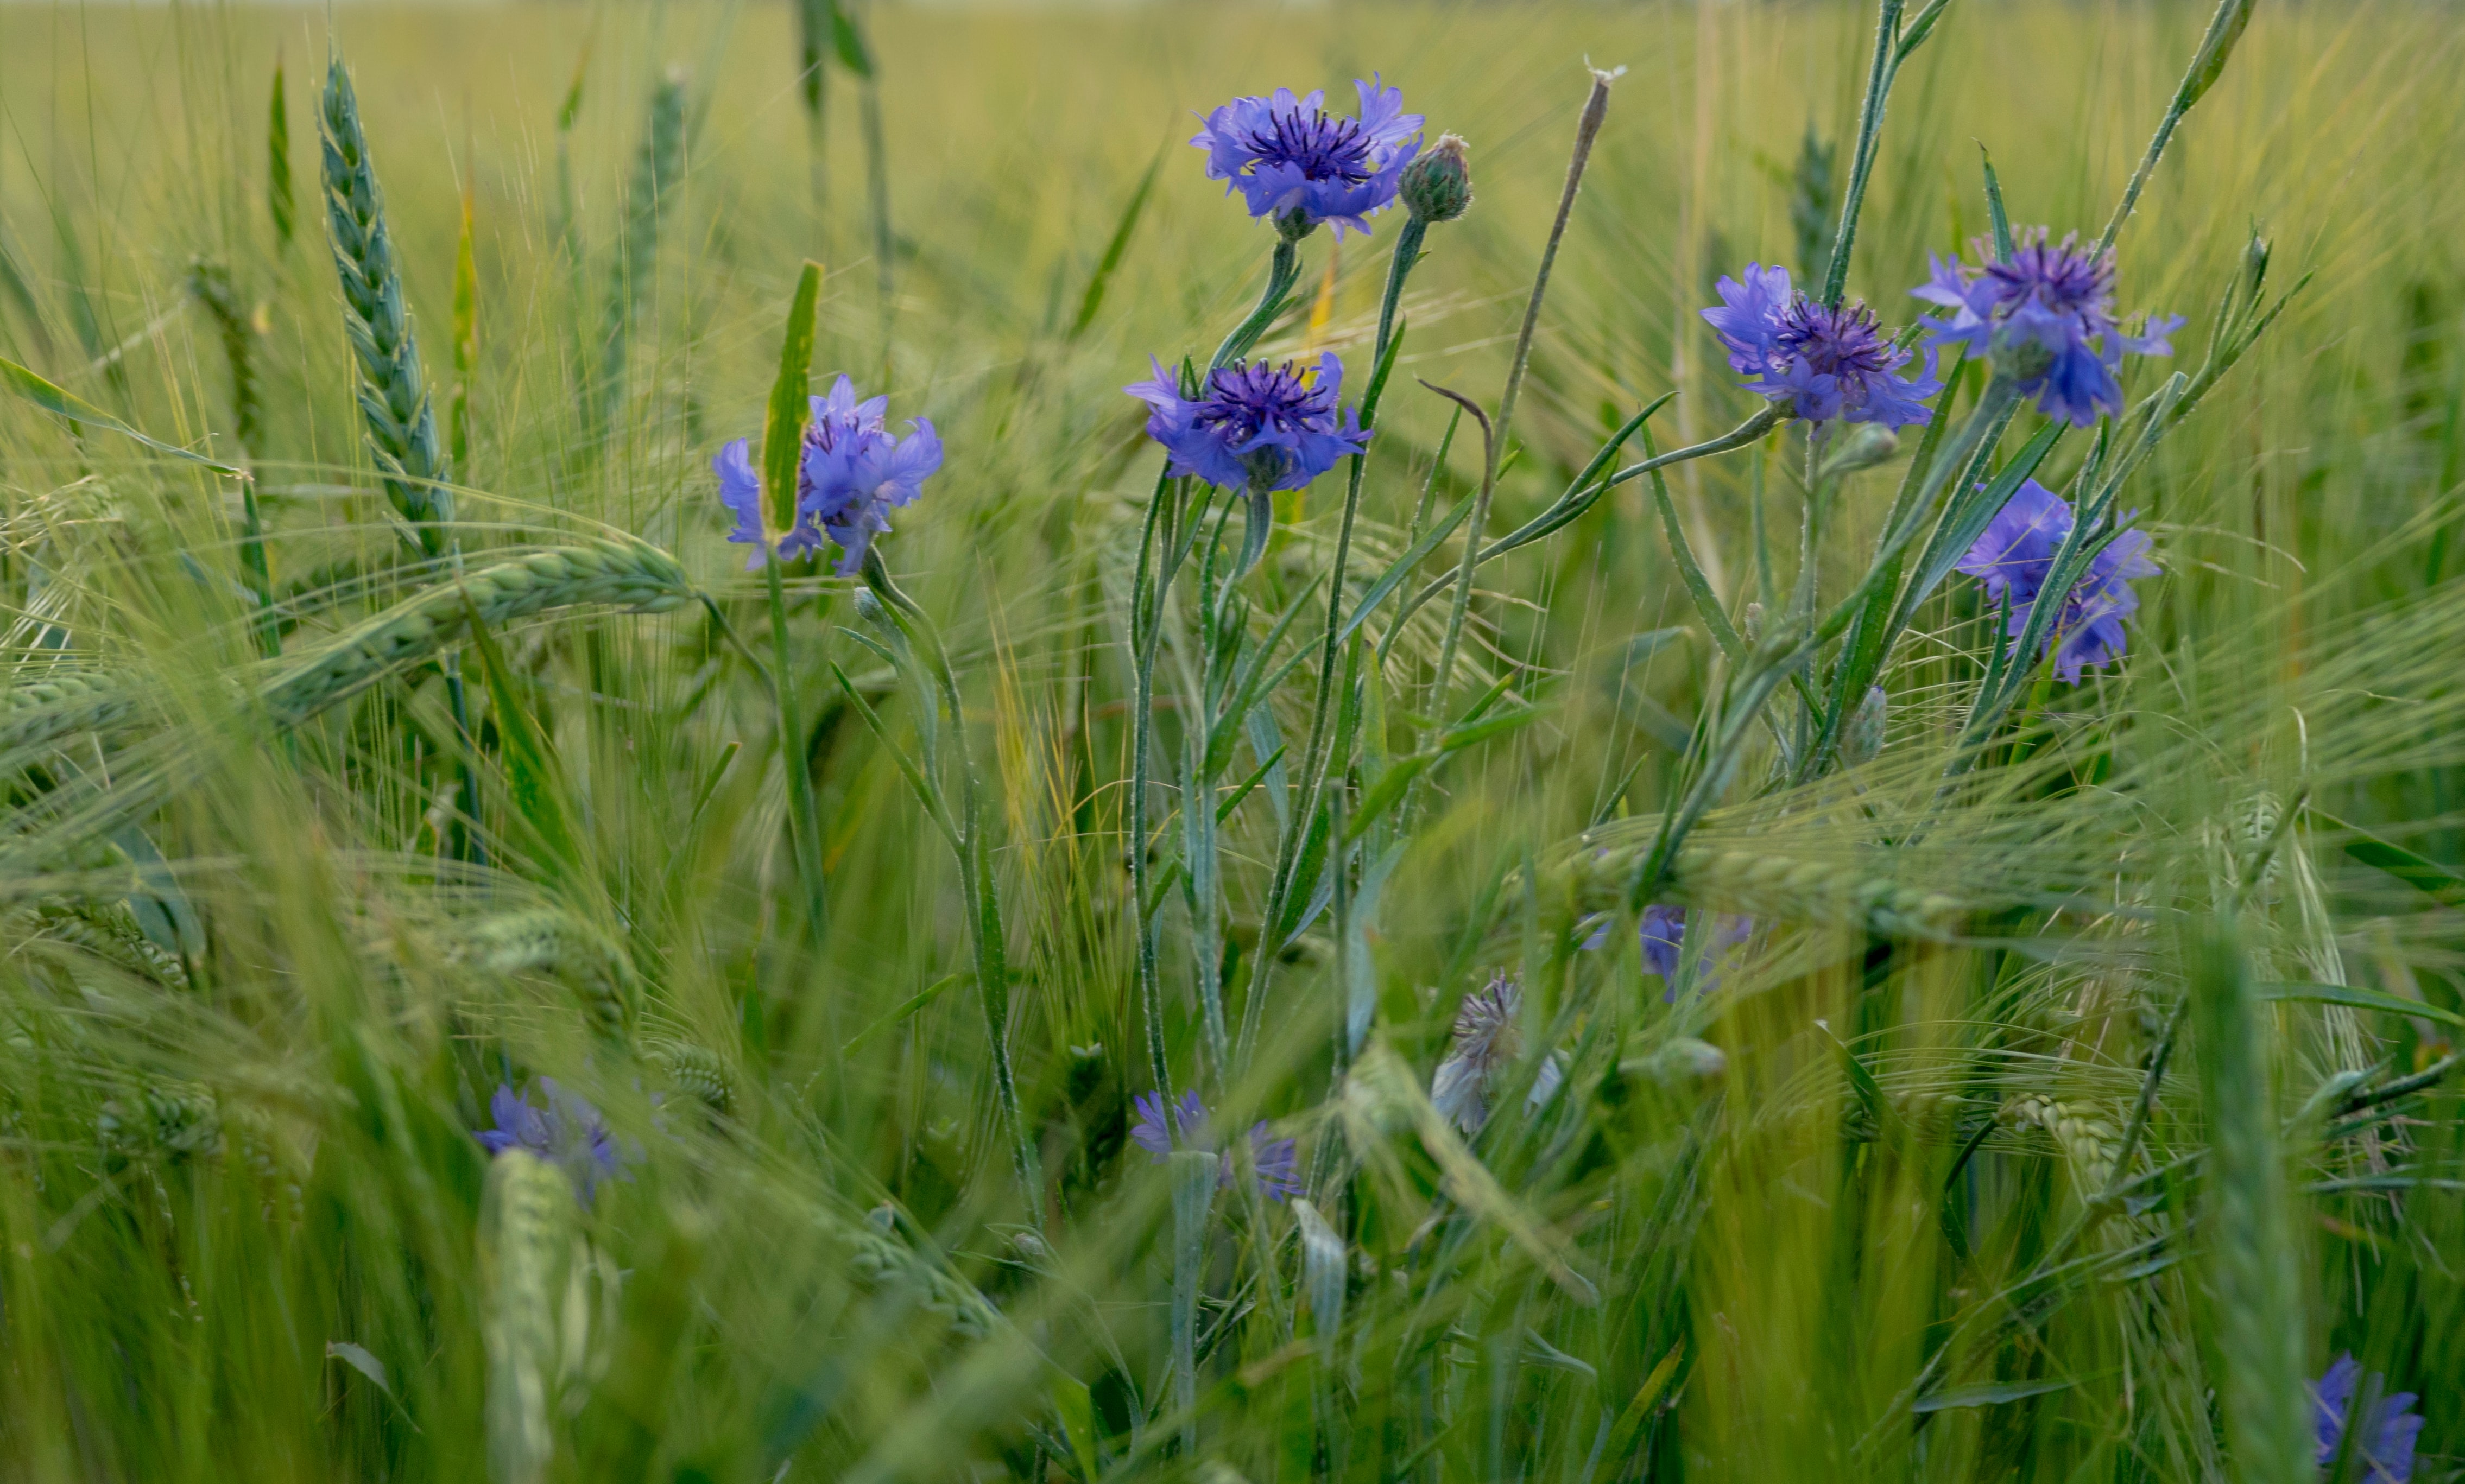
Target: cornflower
column 852, row 471
column 565, row 1131
column 2016, row 556
column 2383, row 1451
column 1276, row 1161
column 1664, row 930
column 1254, row 426
column 2047, row 318
column 1828, row 363
column 1293, row 161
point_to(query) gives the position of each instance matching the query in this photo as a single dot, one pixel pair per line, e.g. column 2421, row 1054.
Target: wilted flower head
column 2383, row 1448
column 2016, row 556
column 1664, row 930
column 1276, row 1160
column 1254, row 427
column 852, row 471
column 1488, row 1038
column 1827, row 364
column 1294, row 161
column 2047, row 317
column 564, row 1129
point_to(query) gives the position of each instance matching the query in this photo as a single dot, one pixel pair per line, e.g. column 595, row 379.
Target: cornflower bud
column 1438, row 187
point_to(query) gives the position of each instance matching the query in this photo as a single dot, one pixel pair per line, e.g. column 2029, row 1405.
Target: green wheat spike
column 657, row 166
column 393, row 393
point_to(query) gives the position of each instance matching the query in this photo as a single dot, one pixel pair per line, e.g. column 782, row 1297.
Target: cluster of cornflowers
column 850, row 473
column 2044, row 318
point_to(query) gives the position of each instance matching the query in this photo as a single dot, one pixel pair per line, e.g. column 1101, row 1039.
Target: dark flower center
column 1842, row 342
column 1242, row 401
column 1321, row 147
column 2056, row 277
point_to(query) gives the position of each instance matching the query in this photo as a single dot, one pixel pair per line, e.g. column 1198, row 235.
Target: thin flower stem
column 1587, row 128
column 804, row 827
column 1146, row 623
column 2225, row 28
column 978, row 889
column 1315, row 761
column 1870, row 131
column 1282, row 273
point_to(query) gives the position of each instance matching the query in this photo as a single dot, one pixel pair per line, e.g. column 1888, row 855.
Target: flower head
column 1294, row 161
column 565, row 1130
column 1488, row 1038
column 855, row 470
column 851, row 472
column 1664, row 930
column 1438, row 187
column 1254, row 427
column 1276, row 1161
column 2016, row 556
column 2384, row 1449
column 1827, row 364
column 2047, row 317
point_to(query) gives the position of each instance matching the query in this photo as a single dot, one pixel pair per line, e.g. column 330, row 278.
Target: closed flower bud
column 1867, row 445
column 1437, row 185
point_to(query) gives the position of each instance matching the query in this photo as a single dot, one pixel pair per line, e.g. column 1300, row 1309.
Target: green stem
column 1282, row 273
column 1870, row 130
column 981, row 895
column 1315, row 761
column 803, row 826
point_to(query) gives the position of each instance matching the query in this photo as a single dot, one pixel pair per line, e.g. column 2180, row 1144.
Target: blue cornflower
column 2014, row 557
column 1276, row 1160
column 853, row 470
column 566, row 1131
column 2383, row 1453
column 1664, row 930
column 1827, row 364
column 1255, row 427
column 2048, row 316
column 1296, row 163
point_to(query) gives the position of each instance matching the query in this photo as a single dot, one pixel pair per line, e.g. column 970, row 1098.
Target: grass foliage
column 380, row 729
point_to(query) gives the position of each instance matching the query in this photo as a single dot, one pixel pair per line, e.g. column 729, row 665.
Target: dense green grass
column 1838, row 1217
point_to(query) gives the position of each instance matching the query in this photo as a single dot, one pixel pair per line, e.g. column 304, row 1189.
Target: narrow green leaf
column 783, row 431
column 1456, row 739
column 1386, row 794
column 1987, row 1396
column 1076, row 1406
column 2419, row 872
column 466, row 337
column 54, row 399
column 534, row 777
column 849, row 42
column 278, row 201
column 1115, row 249
column 914, row 1003
column 2225, row 30
column 2003, row 247
column 1630, row 1420
column 2357, row 999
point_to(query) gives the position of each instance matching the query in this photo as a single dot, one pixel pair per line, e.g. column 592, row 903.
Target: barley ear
column 394, row 404
column 524, row 1231
column 2254, row 1279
